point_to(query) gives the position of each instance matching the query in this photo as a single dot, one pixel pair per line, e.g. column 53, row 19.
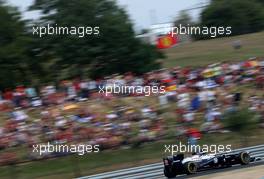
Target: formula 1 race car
column 177, row 164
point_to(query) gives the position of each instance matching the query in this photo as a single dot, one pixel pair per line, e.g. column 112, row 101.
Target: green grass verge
column 201, row 53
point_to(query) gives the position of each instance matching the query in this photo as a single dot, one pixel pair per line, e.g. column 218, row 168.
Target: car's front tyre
column 190, row 168
column 244, row 158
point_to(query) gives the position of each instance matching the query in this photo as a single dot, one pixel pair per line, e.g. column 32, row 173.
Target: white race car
column 177, row 164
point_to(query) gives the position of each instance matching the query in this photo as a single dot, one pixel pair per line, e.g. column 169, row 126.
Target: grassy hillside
column 210, row 51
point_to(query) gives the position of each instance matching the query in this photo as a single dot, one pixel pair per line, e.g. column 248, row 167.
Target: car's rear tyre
column 190, row 168
column 169, row 173
column 244, row 158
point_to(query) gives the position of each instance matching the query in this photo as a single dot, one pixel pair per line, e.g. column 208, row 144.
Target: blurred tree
column 242, row 16
column 260, row 1
column 184, row 19
column 13, row 51
column 115, row 50
column 144, row 31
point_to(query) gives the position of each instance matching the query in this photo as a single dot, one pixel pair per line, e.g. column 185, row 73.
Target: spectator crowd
column 65, row 113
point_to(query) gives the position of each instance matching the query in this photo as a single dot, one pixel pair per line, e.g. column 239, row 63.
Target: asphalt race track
column 159, row 175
